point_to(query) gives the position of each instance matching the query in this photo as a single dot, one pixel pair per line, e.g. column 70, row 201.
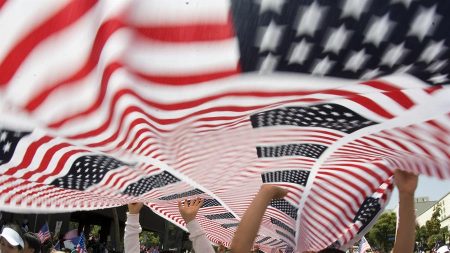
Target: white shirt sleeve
column 131, row 237
column 198, row 237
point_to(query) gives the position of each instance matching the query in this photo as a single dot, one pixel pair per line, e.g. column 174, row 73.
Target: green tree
column 149, row 238
column 383, row 232
column 432, row 232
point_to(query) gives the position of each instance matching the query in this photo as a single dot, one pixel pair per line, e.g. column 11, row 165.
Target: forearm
column 131, row 237
column 248, row 227
column 406, row 230
column 199, row 241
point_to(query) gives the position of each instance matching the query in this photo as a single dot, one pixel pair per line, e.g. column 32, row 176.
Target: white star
column 3, row 136
column 379, row 30
column 322, row 67
column 371, row 74
column 393, row 55
column 7, row 147
column 354, row 8
column 433, row 50
column 310, row 19
column 439, row 78
column 405, row 2
column 424, row 23
column 300, row 52
column 271, row 5
column 356, row 61
column 271, row 37
column 337, row 40
column 437, row 66
column 269, row 64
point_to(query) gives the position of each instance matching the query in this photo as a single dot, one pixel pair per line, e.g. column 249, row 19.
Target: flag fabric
column 44, row 233
column 81, row 245
column 363, row 245
column 105, row 103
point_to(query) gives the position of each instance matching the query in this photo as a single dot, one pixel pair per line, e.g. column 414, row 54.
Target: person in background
column 32, row 243
column 404, row 240
column 11, row 239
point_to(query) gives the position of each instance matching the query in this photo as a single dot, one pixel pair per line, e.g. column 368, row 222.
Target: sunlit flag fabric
column 111, row 102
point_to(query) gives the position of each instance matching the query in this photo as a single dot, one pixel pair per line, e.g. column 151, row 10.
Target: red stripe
column 363, row 170
column 2, row 2
column 401, row 99
column 328, row 181
column 36, row 189
column 45, row 160
column 315, row 205
column 63, row 18
column 109, row 70
column 60, row 166
column 11, row 188
column 182, row 105
column 381, row 85
column 371, row 105
column 433, row 89
column 378, row 142
column 29, row 155
column 9, row 180
column 346, row 171
column 438, row 126
column 333, row 203
column 132, row 109
column 104, row 33
column 182, row 33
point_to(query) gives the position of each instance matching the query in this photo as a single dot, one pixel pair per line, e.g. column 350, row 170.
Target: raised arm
column 132, row 229
column 188, row 210
column 248, row 227
column 406, row 231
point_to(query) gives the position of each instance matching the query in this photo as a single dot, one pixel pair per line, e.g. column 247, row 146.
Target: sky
column 430, row 187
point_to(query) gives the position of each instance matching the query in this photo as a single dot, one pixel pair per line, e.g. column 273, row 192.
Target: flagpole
column 35, row 221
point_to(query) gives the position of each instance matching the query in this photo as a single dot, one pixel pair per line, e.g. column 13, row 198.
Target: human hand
column 189, row 208
column 221, row 248
column 135, row 208
column 406, row 182
column 275, row 192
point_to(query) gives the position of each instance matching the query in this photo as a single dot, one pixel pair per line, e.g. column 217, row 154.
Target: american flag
column 81, row 245
column 44, row 233
column 104, row 103
column 363, row 245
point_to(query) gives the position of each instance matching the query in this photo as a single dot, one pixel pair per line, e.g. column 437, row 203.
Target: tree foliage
column 149, row 238
column 383, row 232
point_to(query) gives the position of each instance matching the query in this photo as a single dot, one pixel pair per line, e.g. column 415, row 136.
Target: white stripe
column 175, row 59
column 17, row 16
column 404, row 81
column 63, row 54
column 155, row 12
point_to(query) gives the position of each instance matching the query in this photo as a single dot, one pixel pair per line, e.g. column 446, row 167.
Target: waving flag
column 44, row 233
column 363, row 245
column 104, row 103
column 81, row 245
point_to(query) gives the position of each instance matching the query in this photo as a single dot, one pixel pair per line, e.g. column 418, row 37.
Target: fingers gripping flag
column 125, row 101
